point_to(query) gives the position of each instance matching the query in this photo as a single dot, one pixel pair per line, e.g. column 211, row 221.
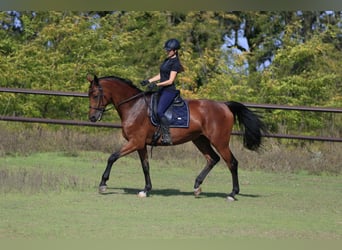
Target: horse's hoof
column 102, row 189
column 197, row 191
column 230, row 198
column 142, row 194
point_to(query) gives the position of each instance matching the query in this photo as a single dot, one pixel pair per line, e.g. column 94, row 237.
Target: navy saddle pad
column 177, row 113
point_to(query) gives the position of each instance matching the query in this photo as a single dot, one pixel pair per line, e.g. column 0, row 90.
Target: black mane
column 127, row 81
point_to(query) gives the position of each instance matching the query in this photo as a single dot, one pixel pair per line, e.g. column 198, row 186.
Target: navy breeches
column 165, row 100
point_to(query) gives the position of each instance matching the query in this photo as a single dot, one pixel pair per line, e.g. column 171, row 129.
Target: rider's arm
column 154, row 78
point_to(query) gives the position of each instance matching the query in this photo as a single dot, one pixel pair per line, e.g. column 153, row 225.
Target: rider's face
column 171, row 53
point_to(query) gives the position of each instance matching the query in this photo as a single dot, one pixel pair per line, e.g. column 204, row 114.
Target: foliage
column 303, row 75
column 288, row 57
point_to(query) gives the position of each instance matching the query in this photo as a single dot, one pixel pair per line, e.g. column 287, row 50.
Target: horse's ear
column 96, row 80
column 92, row 78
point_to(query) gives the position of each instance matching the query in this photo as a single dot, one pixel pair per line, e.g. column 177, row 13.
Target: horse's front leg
column 129, row 147
column 146, row 169
column 106, row 173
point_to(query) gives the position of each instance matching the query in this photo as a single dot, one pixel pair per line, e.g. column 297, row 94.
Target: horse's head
column 97, row 99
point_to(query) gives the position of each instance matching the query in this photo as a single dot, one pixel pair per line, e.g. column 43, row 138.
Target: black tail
column 251, row 123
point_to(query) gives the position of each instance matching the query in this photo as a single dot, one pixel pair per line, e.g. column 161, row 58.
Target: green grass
column 54, row 196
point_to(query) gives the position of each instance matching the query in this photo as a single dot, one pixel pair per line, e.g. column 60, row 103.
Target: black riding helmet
column 172, row 44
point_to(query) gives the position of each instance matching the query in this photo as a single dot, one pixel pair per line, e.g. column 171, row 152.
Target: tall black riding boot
column 166, row 137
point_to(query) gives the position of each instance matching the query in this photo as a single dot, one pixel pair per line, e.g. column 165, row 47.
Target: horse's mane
column 127, row 81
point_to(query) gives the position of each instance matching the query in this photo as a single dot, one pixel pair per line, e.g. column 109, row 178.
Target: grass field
column 54, row 196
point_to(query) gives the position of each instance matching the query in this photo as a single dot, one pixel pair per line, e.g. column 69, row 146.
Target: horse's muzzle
column 93, row 118
column 96, row 116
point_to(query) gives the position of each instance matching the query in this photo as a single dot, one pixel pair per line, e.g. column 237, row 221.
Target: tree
column 274, row 57
column 303, row 74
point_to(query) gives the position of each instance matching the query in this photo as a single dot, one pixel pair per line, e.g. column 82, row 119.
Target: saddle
column 177, row 114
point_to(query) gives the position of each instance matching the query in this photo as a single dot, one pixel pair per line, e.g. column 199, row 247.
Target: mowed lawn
column 54, row 196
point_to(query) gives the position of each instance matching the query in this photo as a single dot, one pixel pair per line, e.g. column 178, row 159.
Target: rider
column 165, row 80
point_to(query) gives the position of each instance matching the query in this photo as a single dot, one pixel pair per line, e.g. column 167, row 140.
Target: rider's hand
column 144, row 82
column 151, row 86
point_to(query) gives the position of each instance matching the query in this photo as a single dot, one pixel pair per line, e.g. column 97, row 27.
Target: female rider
column 165, row 80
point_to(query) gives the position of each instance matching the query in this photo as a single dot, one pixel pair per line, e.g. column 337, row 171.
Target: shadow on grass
column 172, row 192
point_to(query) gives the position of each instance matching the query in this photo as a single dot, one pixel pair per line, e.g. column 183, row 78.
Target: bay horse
column 210, row 128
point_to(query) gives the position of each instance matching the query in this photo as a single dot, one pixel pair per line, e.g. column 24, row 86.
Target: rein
column 132, row 98
column 104, row 109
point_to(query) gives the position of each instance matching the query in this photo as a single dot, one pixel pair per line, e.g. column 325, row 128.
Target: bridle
column 100, row 107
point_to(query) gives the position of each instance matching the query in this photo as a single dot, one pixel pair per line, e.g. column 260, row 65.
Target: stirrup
column 166, row 139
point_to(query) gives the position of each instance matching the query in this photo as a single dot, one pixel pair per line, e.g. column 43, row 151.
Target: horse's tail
column 251, row 123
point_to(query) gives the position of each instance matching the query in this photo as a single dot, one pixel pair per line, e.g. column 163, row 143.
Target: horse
column 209, row 129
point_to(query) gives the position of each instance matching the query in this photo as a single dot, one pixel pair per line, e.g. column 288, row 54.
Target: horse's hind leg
column 232, row 164
column 234, row 171
column 203, row 144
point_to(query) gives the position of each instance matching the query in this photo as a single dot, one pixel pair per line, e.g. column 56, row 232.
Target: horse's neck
column 134, row 109
column 120, row 92
column 124, row 97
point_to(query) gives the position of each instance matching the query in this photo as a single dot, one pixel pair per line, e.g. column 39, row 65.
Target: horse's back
column 208, row 108
column 209, row 113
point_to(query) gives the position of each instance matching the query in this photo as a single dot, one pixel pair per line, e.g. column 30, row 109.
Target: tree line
column 276, row 57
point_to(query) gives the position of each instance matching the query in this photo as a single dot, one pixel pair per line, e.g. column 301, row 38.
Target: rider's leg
column 165, row 100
